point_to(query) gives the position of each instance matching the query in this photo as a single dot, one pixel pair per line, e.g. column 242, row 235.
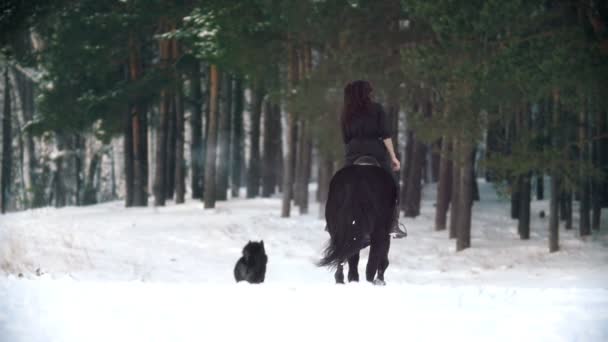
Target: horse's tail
column 347, row 214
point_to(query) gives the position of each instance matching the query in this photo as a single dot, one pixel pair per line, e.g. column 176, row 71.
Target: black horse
column 359, row 212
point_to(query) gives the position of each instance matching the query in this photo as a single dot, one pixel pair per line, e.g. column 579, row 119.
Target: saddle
column 366, row 160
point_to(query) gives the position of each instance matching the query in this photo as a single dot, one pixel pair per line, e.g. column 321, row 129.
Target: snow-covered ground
column 106, row 273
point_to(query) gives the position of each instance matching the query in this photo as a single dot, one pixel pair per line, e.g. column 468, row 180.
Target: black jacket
column 366, row 126
column 364, row 135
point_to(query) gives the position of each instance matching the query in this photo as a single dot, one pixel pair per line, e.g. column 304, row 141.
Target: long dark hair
column 357, row 100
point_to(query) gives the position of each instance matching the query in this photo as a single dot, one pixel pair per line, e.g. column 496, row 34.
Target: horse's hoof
column 379, row 282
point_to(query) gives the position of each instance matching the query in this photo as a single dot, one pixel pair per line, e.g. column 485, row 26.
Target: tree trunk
column 137, row 132
column 413, row 195
column 436, row 161
column 210, row 155
column 180, row 163
column 326, row 171
column 113, row 193
column 466, row 198
column 128, row 160
column 299, row 152
column 474, row 185
column 33, row 189
column 540, row 187
column 196, row 130
column 306, row 169
column 585, row 204
column 515, row 196
column 294, row 153
column 525, row 194
column 224, row 138
column 288, row 173
column 553, row 215
column 272, row 142
column 7, row 160
column 171, row 146
column 253, row 173
column 238, row 137
column 90, row 191
column 405, row 167
column 455, row 205
column 569, row 196
column 59, row 190
column 78, row 158
column 280, row 157
column 555, row 183
column 161, row 171
column 444, row 188
column 600, row 137
column 206, row 121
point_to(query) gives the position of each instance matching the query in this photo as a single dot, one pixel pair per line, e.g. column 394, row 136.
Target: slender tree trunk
column 436, row 161
column 516, row 185
column 524, row 207
column 253, row 174
column 292, row 78
column 272, row 140
column 79, row 144
column 34, row 190
column 196, row 130
column 129, row 160
column 90, row 191
column 171, row 146
column 466, row 198
column 555, row 184
column 294, row 153
column 210, row 155
column 137, row 132
column 297, row 194
column 180, row 163
column 413, row 195
column 7, row 138
column 206, row 120
column 112, row 174
column 568, row 208
column 326, row 171
column 160, row 174
column 280, row 159
column 553, row 215
column 540, row 187
column 474, row 185
column 455, row 205
column 600, row 153
column 405, row 167
column 59, row 190
column 444, row 188
column 563, row 204
column 224, row 138
column 238, row 137
column 306, row 169
column 585, row 205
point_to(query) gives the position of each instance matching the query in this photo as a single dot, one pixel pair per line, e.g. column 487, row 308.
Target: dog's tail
column 347, row 214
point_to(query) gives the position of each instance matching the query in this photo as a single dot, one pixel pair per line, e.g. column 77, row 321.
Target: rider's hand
column 395, row 164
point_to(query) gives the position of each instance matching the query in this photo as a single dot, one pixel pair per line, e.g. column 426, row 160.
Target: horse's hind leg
column 339, row 275
column 383, row 263
column 377, row 256
column 353, row 265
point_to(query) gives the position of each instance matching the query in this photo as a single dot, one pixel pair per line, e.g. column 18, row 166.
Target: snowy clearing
column 106, row 273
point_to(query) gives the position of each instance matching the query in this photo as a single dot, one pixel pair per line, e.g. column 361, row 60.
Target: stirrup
column 399, row 233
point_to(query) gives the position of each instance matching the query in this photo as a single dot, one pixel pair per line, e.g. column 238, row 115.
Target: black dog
column 251, row 267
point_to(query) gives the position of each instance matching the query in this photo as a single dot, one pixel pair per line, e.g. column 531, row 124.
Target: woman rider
column 365, row 132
